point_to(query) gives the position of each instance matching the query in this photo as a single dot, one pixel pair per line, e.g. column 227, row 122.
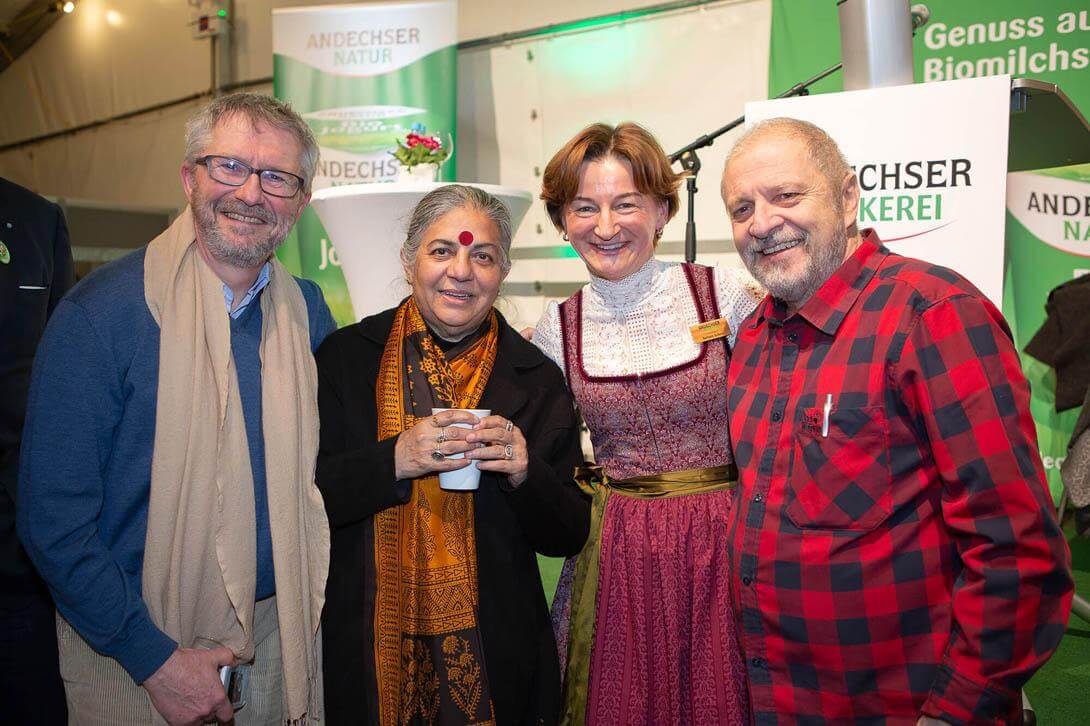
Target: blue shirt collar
column 255, row 289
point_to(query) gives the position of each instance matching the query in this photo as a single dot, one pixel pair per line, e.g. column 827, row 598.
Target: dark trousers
column 31, row 691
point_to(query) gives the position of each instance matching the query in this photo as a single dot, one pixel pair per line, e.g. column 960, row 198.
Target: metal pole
column 692, row 164
column 689, row 161
column 214, row 82
column 875, row 43
column 1080, row 607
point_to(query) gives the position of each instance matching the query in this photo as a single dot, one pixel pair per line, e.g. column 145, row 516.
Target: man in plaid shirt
column 896, row 555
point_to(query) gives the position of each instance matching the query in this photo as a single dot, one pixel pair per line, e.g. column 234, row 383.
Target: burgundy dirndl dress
column 664, row 648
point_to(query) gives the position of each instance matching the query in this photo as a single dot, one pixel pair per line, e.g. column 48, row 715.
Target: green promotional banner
column 1048, row 228
column 363, row 76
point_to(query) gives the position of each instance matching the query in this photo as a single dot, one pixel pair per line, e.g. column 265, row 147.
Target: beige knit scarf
column 200, row 550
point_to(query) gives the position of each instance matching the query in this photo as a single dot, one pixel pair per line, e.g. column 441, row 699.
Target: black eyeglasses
column 234, row 173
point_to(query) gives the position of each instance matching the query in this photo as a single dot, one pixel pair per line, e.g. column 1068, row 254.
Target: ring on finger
column 508, row 452
column 435, row 422
column 510, row 425
column 441, row 437
column 437, row 454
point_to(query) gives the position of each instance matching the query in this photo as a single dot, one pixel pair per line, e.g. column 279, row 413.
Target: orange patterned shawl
column 428, row 656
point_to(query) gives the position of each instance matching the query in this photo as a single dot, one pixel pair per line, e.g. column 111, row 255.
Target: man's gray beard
column 824, row 261
column 221, row 248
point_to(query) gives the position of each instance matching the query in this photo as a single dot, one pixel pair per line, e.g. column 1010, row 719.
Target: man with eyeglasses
column 167, row 476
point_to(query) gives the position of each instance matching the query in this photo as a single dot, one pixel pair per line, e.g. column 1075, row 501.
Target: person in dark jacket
column 435, row 612
column 35, row 272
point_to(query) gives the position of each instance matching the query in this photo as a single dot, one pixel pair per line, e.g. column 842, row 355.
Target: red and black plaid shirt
column 906, row 560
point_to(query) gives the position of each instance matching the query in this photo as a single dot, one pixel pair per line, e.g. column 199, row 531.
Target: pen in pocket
column 825, row 417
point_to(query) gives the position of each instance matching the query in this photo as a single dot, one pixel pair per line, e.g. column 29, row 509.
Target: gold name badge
column 710, row 330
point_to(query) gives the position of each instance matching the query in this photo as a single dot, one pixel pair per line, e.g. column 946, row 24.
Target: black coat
column 1061, row 341
column 33, row 280
column 546, row 514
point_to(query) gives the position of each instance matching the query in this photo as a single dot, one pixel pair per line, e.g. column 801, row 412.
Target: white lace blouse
column 640, row 324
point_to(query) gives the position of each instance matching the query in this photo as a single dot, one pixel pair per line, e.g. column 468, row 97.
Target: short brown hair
column 631, row 142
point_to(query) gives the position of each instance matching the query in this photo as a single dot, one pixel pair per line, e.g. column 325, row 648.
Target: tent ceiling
column 8, row 10
column 22, row 22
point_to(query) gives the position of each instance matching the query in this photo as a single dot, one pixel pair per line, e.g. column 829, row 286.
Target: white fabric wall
column 114, row 56
column 681, row 74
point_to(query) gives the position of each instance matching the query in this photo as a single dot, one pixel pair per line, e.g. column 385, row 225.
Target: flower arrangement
column 419, row 148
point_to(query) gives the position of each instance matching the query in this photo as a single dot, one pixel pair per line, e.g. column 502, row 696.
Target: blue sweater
column 85, row 469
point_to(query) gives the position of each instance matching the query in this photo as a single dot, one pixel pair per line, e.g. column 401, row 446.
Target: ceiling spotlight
column 63, row 7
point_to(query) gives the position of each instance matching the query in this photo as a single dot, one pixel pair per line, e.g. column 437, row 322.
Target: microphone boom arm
column 687, row 155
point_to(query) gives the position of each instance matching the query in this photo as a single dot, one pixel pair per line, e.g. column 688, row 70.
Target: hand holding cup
column 424, row 448
column 504, row 448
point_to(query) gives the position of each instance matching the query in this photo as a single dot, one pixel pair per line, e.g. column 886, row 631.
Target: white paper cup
column 468, row 478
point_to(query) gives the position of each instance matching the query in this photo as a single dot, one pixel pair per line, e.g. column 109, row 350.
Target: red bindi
column 465, row 238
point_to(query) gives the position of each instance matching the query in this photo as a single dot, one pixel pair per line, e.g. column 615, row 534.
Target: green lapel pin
column 5, row 254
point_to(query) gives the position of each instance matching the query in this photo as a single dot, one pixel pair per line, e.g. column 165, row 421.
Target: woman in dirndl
column 643, row 618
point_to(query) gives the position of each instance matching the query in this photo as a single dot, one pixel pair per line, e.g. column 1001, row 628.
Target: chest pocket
column 24, row 302
column 841, row 481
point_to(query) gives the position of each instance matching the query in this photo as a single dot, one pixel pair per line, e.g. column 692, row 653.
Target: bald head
column 792, row 200
column 819, row 146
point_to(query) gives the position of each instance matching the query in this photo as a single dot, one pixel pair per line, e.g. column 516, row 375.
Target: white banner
column 932, row 166
column 1055, row 210
column 364, row 39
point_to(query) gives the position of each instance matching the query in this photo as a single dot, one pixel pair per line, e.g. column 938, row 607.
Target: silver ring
column 510, row 425
column 508, row 452
column 441, row 437
column 437, row 455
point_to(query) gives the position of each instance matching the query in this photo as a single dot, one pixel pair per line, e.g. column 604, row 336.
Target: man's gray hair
column 446, row 199
column 823, row 151
column 260, row 110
